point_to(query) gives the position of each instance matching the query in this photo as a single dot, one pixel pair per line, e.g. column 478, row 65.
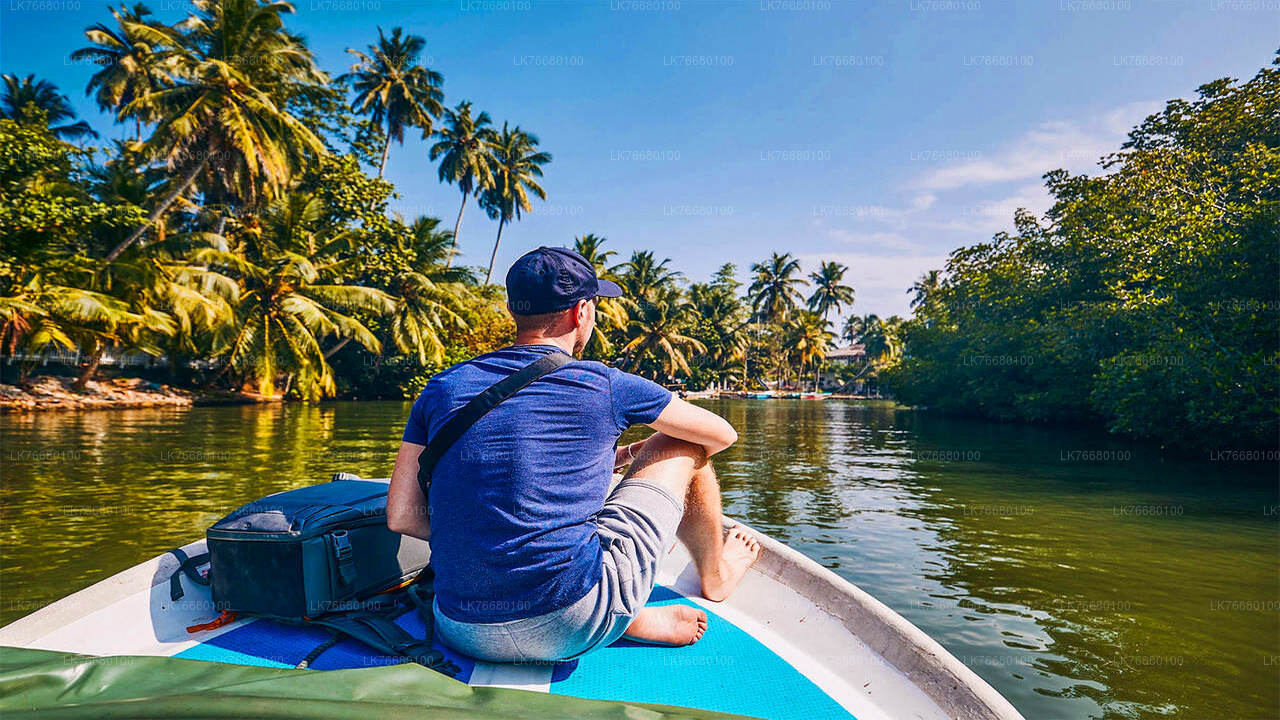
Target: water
column 1081, row 576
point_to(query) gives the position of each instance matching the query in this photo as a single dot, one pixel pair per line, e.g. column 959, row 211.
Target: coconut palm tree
column 721, row 313
column 394, row 89
column 774, row 290
column 880, row 338
column 923, row 288
column 612, row 314
column 224, row 117
column 28, row 101
column 644, row 276
column 131, row 60
column 432, row 296
column 656, row 330
column 808, row 340
column 516, row 168
column 291, row 268
column 590, row 246
column 465, row 156
column 828, row 291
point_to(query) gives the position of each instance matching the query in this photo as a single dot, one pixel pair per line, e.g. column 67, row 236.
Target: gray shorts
column 636, row 528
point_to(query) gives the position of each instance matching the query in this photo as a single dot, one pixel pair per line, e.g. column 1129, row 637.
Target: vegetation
column 243, row 235
column 1147, row 298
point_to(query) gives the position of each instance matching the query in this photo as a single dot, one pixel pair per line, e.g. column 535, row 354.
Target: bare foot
column 740, row 552
column 668, row 625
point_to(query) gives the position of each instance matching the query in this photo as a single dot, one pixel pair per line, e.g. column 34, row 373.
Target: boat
column 794, row 642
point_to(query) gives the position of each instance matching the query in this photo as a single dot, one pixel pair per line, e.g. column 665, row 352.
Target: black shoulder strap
column 476, row 409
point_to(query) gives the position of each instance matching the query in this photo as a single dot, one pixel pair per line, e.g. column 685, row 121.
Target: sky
column 881, row 135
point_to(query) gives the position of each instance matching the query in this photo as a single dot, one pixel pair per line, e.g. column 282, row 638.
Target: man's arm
column 686, row 421
column 406, row 507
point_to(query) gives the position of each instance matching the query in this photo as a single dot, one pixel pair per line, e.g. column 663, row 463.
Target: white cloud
column 879, row 281
column 1053, row 144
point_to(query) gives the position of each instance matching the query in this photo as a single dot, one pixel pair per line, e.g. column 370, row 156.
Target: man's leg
column 684, row 470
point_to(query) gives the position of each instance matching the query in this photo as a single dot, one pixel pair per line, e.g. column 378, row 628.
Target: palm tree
column 808, row 339
column 394, row 89
column 517, row 165
column 590, row 247
column 855, row 327
column 644, row 276
column 232, row 67
column 465, row 156
column 773, row 289
column 880, row 338
column 28, row 101
column 656, row 330
column 291, row 268
column 131, row 60
column 721, row 313
column 923, row 288
column 829, row 293
column 432, row 296
column 612, row 314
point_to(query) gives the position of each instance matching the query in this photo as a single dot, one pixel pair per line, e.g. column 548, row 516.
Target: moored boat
column 795, row 641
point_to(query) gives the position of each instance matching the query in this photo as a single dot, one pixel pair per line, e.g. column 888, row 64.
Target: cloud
column 1050, row 145
column 880, row 281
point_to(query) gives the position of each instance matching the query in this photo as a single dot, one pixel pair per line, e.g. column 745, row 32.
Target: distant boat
column 795, row 642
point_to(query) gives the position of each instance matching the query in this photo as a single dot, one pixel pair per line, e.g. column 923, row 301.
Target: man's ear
column 580, row 313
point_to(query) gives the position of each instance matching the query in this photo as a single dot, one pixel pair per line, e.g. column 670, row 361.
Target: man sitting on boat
column 535, row 557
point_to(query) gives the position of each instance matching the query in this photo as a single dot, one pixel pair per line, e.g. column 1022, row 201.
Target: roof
column 847, row 353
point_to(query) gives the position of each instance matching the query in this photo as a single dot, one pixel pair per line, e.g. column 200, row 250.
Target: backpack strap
column 375, row 626
column 186, row 566
column 481, row 404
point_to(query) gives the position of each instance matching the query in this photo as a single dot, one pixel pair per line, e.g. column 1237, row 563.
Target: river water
column 1083, row 577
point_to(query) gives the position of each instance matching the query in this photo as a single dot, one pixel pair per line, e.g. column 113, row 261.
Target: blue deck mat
column 727, row 670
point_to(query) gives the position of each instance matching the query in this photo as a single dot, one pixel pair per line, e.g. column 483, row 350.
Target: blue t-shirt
column 513, row 503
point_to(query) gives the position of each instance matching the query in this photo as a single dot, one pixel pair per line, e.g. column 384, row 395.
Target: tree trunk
column 386, row 150
column 329, row 353
column 453, row 246
column 494, row 256
column 158, row 211
column 89, row 370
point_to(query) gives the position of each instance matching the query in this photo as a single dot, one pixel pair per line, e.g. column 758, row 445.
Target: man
column 535, row 558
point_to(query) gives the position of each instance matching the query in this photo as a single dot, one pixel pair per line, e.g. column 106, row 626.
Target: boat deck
column 794, row 641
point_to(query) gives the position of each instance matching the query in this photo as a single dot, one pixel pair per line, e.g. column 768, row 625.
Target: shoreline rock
column 48, row 393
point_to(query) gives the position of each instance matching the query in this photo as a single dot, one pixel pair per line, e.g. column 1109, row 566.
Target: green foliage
column 1147, row 299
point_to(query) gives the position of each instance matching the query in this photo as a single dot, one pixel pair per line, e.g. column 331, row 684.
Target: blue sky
column 878, row 134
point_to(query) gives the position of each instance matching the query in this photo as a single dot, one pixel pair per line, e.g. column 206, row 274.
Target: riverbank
column 50, row 393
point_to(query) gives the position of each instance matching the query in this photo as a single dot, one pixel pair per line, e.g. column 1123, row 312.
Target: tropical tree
column 28, row 101
column 774, row 289
column 611, row 313
column 808, row 340
column 224, row 116
column 657, row 332
column 394, row 89
column 516, row 168
column 923, row 288
column 465, row 156
column 292, row 297
column 643, row 277
column 131, row 58
column 721, row 326
column 829, row 293
column 591, row 247
column 431, row 297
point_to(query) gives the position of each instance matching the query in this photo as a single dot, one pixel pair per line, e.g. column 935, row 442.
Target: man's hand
column 685, row 421
column 406, row 507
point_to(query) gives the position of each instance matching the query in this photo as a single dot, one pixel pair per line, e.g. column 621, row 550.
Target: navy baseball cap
column 553, row 278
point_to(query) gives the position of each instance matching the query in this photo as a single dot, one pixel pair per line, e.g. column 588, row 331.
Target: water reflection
column 1121, row 586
